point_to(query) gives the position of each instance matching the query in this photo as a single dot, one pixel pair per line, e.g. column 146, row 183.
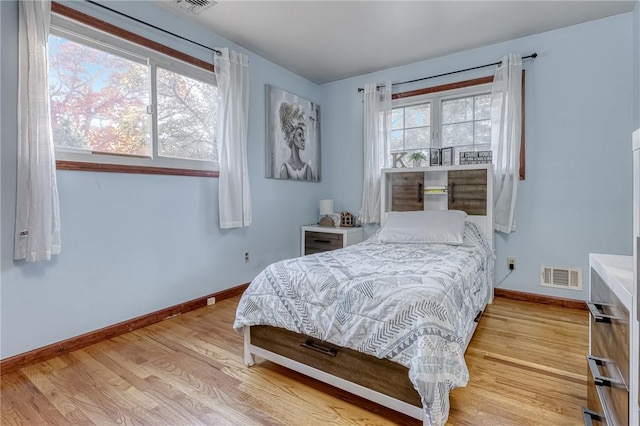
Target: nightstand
column 316, row 239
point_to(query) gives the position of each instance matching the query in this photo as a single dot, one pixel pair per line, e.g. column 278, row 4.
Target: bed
column 386, row 319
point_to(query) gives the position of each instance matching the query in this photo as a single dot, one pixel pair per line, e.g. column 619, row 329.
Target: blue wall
column 576, row 198
column 133, row 244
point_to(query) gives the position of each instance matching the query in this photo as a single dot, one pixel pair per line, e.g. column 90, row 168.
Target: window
column 466, row 123
column 458, row 118
column 411, row 128
column 121, row 103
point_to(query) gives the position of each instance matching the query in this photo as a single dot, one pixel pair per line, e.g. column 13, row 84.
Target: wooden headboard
column 466, row 188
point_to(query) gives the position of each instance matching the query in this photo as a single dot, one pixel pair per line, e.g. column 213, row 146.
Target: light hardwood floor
column 526, row 360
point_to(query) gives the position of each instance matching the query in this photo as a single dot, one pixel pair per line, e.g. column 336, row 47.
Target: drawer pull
column 597, row 315
column 322, row 241
column 588, row 416
column 310, row 345
column 599, row 379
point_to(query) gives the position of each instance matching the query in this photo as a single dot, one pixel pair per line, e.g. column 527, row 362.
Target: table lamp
column 326, row 210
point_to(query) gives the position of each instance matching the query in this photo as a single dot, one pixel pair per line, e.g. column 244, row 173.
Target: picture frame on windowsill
column 446, row 156
column 434, row 157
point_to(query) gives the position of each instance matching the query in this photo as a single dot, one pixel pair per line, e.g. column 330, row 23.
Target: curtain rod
column 532, row 56
column 153, row 26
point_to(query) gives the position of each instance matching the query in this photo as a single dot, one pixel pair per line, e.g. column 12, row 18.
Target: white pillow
column 431, row 226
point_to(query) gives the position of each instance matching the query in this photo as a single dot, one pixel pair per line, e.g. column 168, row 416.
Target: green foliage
column 99, row 102
column 417, row 157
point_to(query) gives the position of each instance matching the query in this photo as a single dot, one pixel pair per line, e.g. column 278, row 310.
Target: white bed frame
column 484, row 223
column 385, row 400
column 371, row 395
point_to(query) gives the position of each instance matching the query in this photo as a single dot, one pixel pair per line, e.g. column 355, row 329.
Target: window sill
column 121, row 168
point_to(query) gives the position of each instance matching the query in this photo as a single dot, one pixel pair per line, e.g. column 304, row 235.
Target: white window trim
column 436, row 99
column 85, row 34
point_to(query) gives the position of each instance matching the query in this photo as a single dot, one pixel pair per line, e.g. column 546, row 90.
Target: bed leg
column 249, row 359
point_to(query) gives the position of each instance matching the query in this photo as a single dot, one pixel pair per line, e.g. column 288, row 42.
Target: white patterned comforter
column 411, row 303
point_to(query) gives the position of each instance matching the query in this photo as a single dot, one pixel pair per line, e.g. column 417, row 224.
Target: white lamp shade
column 326, row 207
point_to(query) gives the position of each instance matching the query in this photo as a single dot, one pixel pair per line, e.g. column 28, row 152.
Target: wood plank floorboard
column 526, row 362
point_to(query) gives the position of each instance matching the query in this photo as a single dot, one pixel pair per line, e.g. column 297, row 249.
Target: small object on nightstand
column 326, row 221
column 347, row 220
column 326, row 210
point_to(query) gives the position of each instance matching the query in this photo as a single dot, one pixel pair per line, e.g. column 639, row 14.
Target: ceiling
column 330, row 40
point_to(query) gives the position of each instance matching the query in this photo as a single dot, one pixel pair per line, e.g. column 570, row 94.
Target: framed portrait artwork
column 434, row 157
column 293, row 136
column 446, row 156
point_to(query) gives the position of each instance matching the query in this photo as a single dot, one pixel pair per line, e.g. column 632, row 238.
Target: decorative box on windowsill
column 475, row 157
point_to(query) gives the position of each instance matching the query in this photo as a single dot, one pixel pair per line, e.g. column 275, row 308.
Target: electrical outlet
column 246, row 256
column 511, row 263
column 211, row 301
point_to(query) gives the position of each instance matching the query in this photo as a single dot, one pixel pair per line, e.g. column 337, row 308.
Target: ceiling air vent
column 567, row 278
column 194, row 6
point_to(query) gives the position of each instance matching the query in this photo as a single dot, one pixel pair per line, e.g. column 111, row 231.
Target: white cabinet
column 610, row 380
column 635, row 322
column 617, row 338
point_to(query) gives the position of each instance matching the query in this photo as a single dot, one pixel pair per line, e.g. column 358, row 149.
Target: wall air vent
column 567, row 278
column 194, row 6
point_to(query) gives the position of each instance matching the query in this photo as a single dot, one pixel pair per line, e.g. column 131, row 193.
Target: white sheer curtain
column 377, row 128
column 234, row 198
column 506, row 128
column 37, row 232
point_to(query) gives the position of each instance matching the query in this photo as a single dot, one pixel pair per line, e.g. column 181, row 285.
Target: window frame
column 420, row 100
column 67, row 21
column 459, row 88
column 435, row 99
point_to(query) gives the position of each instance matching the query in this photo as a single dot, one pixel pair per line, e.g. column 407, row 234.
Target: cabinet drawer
column 610, row 327
column 597, row 417
column 593, row 418
column 610, row 333
column 606, row 394
column 593, row 399
column 315, row 242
